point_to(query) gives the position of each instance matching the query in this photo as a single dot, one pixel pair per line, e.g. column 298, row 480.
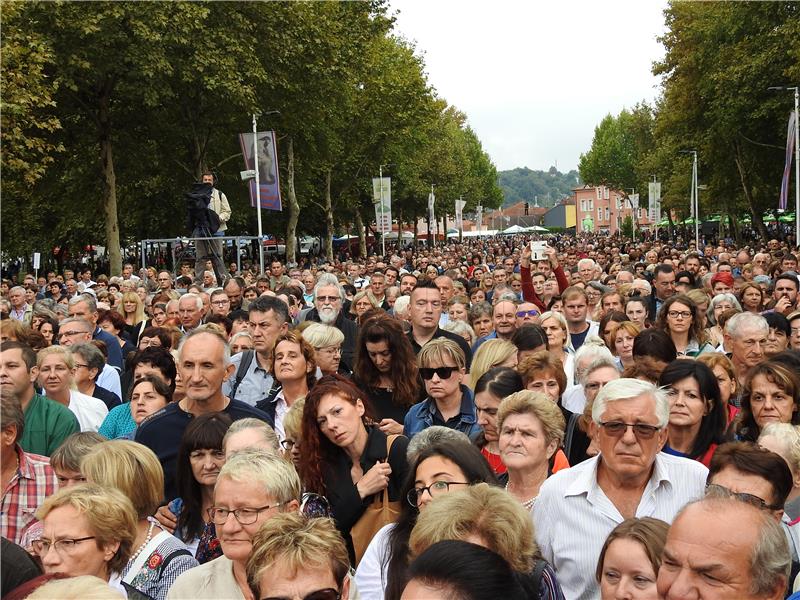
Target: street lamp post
column 694, row 201
column 796, row 91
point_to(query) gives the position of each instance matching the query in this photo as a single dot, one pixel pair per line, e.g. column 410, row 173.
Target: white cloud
column 536, row 77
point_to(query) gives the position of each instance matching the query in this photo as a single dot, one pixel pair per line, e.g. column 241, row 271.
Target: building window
column 591, row 203
column 607, row 215
column 606, row 193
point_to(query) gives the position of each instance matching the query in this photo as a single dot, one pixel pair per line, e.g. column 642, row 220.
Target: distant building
column 514, row 214
column 600, row 208
column 561, row 216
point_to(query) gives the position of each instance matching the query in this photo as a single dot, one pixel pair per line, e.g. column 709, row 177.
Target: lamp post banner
column 460, row 214
column 382, row 197
column 788, row 165
column 268, row 176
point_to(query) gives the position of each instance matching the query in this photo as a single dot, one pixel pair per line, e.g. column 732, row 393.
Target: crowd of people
column 613, row 420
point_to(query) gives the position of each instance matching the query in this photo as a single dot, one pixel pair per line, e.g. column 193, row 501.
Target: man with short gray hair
column 720, row 548
column 190, row 308
column 745, row 337
column 204, row 363
column 630, row 477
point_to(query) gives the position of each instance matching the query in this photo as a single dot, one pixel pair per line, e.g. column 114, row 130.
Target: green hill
column 523, row 184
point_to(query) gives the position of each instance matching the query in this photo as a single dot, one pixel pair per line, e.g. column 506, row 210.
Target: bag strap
column 573, row 423
column 244, row 364
column 538, row 571
column 389, row 441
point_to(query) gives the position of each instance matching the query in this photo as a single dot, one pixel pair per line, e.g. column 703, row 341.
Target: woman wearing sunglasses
column 438, row 469
column 442, row 366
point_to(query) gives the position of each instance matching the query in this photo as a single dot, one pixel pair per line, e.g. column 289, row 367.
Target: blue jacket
column 420, row 416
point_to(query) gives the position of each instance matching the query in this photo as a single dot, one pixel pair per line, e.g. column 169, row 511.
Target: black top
column 462, row 343
column 162, row 432
column 17, row 567
column 383, row 406
column 109, row 398
column 342, row 493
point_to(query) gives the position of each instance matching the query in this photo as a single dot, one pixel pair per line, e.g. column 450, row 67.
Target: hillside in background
column 524, row 184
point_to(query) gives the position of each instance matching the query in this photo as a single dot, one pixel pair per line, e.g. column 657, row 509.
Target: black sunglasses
column 441, row 372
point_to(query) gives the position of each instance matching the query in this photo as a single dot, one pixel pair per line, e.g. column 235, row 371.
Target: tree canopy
column 112, row 109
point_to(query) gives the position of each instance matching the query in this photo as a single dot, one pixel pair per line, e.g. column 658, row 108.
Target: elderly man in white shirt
column 577, row 508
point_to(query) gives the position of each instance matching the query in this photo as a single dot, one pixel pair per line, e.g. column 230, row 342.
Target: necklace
column 144, row 543
column 527, row 503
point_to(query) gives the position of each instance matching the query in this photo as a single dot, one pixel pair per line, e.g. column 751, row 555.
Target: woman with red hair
column 346, row 457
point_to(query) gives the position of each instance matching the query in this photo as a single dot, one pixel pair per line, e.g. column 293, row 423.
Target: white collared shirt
column 573, row 516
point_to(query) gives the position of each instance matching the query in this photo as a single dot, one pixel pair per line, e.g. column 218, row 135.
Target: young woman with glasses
column 678, row 318
column 438, row 469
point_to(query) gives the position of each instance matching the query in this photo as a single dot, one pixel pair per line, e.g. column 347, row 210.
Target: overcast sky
column 535, row 77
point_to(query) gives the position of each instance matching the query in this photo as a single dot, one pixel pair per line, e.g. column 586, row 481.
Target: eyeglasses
column 81, row 366
column 326, row 594
column 333, row 350
column 719, row 491
column 288, row 444
column 434, row 489
column 64, row 334
column 442, row 372
column 527, row 313
column 328, row 299
column 62, row 547
column 220, row 302
column 642, row 431
column 245, row 516
column 675, row 314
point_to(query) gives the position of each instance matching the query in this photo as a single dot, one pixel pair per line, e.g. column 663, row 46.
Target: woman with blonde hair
column 361, row 303
column 531, row 430
column 132, row 310
column 492, row 353
column 489, row 517
column 327, row 342
column 87, row 529
column 158, row 557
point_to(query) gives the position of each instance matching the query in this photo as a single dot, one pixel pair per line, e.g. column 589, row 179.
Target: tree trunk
column 294, row 207
column 109, row 186
column 362, row 236
column 328, row 217
column 758, row 219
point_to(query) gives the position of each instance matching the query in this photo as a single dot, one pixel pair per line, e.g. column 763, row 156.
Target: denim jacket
column 420, row 416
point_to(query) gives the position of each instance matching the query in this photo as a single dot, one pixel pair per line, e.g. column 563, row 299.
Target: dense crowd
column 477, row 420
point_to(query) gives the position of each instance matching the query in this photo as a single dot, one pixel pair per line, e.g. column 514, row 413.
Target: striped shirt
column 573, row 516
column 34, row 481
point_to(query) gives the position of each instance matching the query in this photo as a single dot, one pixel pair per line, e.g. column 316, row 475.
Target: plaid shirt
column 34, row 481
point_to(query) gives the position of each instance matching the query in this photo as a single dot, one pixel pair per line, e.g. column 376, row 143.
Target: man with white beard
column 328, row 299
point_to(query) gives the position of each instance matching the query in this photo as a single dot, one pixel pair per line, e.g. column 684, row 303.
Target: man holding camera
column 208, row 227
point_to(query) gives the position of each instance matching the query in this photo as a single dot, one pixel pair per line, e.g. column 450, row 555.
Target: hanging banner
column 382, row 198
column 431, row 214
column 268, row 178
column 788, row 164
column 460, row 214
column 654, row 201
column 479, row 216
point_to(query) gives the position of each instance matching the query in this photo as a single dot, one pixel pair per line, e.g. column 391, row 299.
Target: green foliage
column 148, row 95
column 524, row 184
column 627, row 227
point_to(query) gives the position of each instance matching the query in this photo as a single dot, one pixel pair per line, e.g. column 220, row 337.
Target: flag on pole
column 654, row 201
column 460, row 214
column 431, row 215
column 382, row 198
column 788, row 165
column 269, row 180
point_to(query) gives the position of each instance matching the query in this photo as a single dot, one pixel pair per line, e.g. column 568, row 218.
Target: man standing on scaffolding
column 212, row 249
column 209, row 212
